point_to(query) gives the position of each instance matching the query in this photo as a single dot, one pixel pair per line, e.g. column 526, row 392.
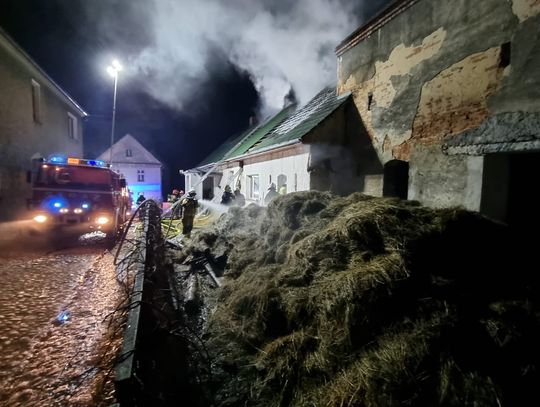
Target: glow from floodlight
column 116, row 65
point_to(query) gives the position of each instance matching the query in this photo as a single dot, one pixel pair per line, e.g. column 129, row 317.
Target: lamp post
column 113, row 70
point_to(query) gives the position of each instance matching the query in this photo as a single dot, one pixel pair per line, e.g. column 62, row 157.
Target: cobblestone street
column 46, row 361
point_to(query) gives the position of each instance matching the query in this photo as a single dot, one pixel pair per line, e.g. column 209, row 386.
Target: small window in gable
column 129, row 153
column 72, row 127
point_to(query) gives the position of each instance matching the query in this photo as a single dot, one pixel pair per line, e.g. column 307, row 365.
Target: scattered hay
column 361, row 301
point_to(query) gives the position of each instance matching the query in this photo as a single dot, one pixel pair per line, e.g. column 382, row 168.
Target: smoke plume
column 282, row 44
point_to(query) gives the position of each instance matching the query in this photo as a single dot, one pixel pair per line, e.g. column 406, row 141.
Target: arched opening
column 396, row 179
column 282, row 184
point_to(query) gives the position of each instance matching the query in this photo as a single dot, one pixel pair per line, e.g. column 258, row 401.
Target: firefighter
column 228, row 197
column 189, row 207
column 141, row 198
column 173, row 198
column 271, row 194
column 239, row 197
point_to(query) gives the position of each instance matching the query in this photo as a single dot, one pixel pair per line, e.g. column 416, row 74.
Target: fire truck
column 70, row 192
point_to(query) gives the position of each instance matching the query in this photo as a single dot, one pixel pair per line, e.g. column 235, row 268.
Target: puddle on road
column 43, row 362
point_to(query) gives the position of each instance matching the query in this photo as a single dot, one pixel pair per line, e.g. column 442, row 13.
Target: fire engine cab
column 69, row 192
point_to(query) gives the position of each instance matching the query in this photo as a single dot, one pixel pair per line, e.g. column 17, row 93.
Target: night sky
column 210, row 84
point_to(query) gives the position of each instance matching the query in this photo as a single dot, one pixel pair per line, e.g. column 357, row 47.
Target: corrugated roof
column 238, row 145
column 286, row 126
column 304, row 120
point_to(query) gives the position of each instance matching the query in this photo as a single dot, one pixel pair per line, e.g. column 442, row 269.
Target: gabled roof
column 140, row 155
column 286, row 127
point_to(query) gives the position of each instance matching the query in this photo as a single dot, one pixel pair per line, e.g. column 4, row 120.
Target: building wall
column 293, row 167
column 150, row 187
column 435, row 70
column 21, row 138
column 287, row 165
column 336, row 144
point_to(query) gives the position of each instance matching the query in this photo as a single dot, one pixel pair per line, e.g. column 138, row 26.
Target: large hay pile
column 361, row 301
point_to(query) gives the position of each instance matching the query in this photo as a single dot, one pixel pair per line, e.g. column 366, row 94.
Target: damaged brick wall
column 437, row 69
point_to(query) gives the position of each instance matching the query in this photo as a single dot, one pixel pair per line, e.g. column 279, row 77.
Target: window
column 129, row 153
column 369, row 100
column 506, row 53
column 140, row 175
column 72, row 127
column 36, row 101
column 253, row 187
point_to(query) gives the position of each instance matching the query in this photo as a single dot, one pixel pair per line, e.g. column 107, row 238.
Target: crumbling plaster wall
column 436, row 70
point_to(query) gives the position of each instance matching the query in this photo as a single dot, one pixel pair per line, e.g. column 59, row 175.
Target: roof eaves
column 389, row 13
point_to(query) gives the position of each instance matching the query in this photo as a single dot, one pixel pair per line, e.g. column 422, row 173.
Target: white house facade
column 140, row 168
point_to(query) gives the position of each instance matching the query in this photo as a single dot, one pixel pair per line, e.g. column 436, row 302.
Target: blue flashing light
column 85, row 206
column 92, row 162
column 100, row 163
column 54, row 203
column 57, row 159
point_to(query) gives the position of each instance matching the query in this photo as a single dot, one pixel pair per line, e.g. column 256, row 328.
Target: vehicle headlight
column 102, row 220
column 64, row 210
column 77, row 210
column 40, row 218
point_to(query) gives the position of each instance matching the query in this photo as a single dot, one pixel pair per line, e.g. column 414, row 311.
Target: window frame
column 73, row 129
column 36, row 101
column 253, row 187
column 140, row 175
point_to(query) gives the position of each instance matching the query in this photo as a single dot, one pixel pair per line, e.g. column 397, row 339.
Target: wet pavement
column 59, row 332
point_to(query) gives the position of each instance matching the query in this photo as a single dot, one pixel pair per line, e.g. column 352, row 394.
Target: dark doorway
column 522, row 195
column 508, row 189
column 208, row 189
column 396, row 179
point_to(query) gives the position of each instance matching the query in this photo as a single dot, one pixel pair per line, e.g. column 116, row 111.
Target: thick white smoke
column 282, row 44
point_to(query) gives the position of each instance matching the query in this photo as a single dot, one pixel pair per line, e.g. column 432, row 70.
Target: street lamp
column 113, row 70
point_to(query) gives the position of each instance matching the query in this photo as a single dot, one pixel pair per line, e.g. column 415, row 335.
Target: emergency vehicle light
column 57, row 159
column 72, row 160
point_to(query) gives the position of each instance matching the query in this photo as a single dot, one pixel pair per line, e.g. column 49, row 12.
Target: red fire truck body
column 69, row 192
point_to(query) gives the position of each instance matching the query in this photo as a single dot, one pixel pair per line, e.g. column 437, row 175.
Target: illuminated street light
column 113, row 70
